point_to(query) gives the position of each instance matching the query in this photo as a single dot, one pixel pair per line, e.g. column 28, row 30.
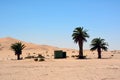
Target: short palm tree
column 17, row 48
column 99, row 45
column 79, row 36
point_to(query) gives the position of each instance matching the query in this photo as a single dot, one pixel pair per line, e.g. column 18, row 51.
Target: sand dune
column 6, row 42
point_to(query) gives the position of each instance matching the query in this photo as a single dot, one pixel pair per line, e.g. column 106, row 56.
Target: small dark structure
column 58, row 54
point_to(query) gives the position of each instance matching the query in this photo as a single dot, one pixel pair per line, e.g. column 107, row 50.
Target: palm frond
column 93, row 48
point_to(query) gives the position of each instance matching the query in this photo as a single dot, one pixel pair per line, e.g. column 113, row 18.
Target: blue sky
column 52, row 22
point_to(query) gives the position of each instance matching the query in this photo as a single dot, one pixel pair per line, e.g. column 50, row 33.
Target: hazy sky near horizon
column 52, row 22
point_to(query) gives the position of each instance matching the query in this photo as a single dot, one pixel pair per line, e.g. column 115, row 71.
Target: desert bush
column 112, row 55
column 40, row 56
column 73, row 51
column 46, row 51
column 47, row 55
column 29, row 57
column 77, row 56
column 34, row 53
column 73, row 56
column 35, row 59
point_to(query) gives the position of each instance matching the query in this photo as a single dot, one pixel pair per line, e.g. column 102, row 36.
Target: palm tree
column 79, row 36
column 99, row 45
column 17, row 48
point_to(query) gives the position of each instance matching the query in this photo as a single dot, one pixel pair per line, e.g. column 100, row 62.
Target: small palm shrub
column 17, row 48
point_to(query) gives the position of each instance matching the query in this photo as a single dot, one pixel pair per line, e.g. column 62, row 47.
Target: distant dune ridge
column 6, row 43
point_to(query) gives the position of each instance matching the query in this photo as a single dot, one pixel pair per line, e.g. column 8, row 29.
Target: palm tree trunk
column 99, row 53
column 18, row 56
column 80, row 50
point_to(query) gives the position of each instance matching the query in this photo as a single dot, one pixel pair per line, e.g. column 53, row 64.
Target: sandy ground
column 60, row 69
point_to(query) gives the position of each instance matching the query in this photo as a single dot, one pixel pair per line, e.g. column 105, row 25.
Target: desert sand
column 107, row 68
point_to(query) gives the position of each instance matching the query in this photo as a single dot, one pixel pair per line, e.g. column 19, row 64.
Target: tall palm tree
column 99, row 45
column 17, row 48
column 79, row 36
